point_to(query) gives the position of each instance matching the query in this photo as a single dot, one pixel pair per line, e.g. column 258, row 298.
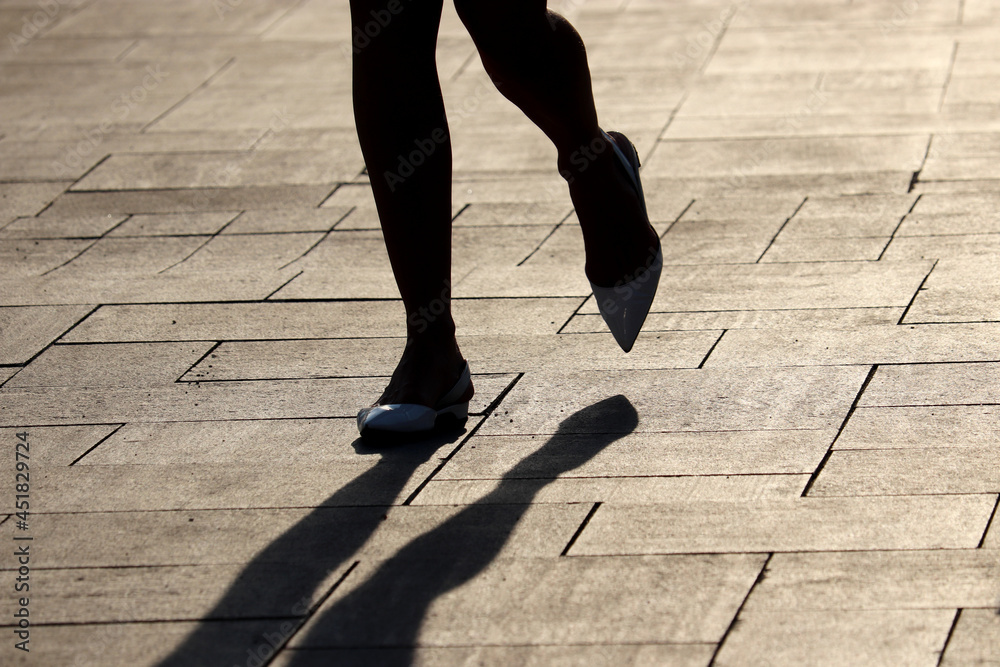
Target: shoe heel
column 458, row 412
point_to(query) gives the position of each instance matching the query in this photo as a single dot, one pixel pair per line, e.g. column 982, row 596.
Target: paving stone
column 485, row 354
column 27, row 199
column 830, row 125
column 912, row 637
column 199, row 170
column 796, row 398
column 191, row 200
column 288, row 399
column 27, row 257
column 511, row 214
column 55, row 446
column 26, row 331
column 173, row 224
column 781, row 287
column 910, row 471
column 304, row 536
column 296, row 220
column 948, row 224
column 735, row 160
column 7, row 373
column 905, row 427
column 870, row 345
column 851, row 216
column 558, row 601
column 173, row 593
column 948, row 248
column 840, row 249
column 66, row 288
column 870, row 580
column 641, row 454
column 114, row 365
column 184, row 17
column 959, row 291
column 288, row 320
column 54, row 228
column 122, row 644
column 143, row 255
column 824, row 50
column 975, row 639
column 803, row 524
column 845, row 318
column 934, row 384
column 598, row 655
column 620, row 490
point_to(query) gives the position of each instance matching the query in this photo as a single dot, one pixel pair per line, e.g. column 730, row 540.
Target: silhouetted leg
column 403, row 131
column 538, row 61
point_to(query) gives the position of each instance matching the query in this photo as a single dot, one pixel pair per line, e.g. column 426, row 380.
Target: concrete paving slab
column 786, row 398
column 803, row 524
column 57, row 446
column 600, row 655
column 170, row 593
column 27, row 331
column 963, row 291
column 617, row 490
column 871, row 345
column 54, row 228
column 556, row 601
column 913, row 637
column 933, row 384
column 743, row 452
column 174, row 224
column 138, row 643
column 975, row 639
column 288, row 320
column 825, row 318
column 903, row 427
column 910, row 471
column 780, row 287
column 870, row 580
column 485, row 354
column 183, row 201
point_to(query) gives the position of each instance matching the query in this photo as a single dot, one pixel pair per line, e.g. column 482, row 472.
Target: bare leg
column 400, row 117
column 538, row 61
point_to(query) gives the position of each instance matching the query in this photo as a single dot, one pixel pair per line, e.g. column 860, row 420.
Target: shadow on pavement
column 387, row 610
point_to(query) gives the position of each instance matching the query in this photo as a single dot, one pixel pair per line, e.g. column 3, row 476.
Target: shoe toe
column 396, row 418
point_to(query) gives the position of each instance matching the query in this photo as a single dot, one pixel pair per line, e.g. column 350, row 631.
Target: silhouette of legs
column 538, row 61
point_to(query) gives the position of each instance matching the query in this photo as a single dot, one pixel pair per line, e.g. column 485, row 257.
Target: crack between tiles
column 947, row 80
column 311, row 612
column 487, row 413
column 947, row 639
column 204, row 84
column 916, row 294
column 782, row 228
column 736, row 616
column 843, row 425
column 580, row 529
column 96, row 445
column 899, row 224
column 712, row 349
column 989, row 523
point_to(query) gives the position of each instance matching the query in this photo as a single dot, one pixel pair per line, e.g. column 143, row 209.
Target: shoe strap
column 456, row 392
column 632, row 171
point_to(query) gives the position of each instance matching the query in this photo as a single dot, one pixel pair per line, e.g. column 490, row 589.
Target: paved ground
column 796, row 465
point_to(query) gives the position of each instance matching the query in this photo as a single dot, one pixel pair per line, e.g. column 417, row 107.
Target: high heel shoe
column 396, row 418
column 624, row 307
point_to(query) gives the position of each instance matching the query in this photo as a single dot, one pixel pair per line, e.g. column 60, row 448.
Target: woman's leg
column 538, row 61
column 401, row 123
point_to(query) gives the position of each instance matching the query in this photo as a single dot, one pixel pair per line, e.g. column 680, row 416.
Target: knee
column 495, row 23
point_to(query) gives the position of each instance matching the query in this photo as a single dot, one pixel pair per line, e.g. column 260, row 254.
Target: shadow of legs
column 288, row 571
column 388, row 609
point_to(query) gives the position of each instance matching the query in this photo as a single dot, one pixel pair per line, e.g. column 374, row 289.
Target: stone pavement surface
column 796, row 465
